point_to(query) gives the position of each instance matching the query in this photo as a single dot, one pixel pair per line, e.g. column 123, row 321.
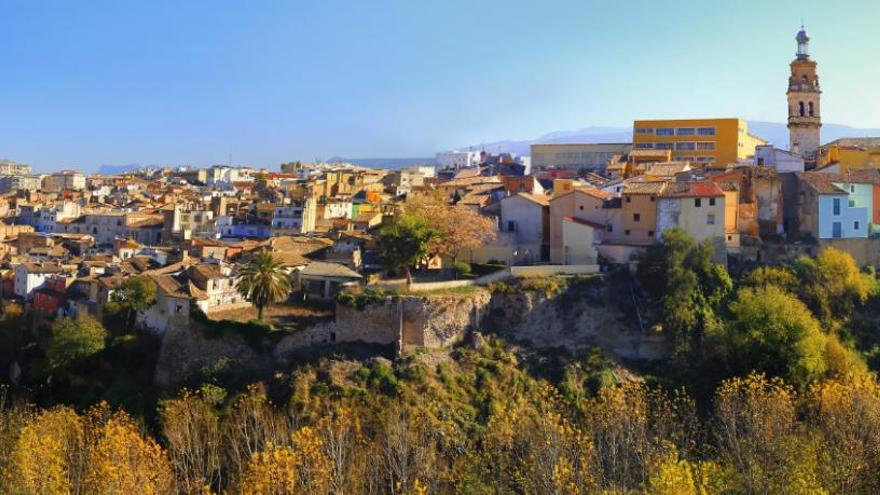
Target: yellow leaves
column 59, row 451
column 40, row 460
column 298, row 468
column 123, row 461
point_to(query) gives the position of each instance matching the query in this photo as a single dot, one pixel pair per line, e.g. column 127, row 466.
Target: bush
column 360, row 300
column 461, row 269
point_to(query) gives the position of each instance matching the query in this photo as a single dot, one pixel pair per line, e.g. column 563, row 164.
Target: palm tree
column 263, row 281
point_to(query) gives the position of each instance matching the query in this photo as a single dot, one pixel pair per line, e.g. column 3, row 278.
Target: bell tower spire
column 804, row 120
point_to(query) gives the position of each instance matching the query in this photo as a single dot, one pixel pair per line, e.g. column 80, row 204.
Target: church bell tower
column 804, row 119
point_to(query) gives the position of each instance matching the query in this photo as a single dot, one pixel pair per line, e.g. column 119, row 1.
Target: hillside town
column 686, row 303
column 69, row 239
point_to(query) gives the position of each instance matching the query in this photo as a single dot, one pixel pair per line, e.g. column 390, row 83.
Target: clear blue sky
column 84, row 83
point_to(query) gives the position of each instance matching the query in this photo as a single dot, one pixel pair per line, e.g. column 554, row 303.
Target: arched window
column 804, row 79
column 811, row 109
column 801, row 107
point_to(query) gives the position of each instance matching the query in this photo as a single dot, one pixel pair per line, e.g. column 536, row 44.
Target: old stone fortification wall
column 577, row 318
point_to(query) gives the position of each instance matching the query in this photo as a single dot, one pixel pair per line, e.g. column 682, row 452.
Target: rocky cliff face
column 578, row 317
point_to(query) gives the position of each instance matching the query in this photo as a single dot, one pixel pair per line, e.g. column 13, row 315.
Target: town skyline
column 184, row 94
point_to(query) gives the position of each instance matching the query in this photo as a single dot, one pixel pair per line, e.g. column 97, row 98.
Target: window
column 710, row 219
column 650, row 233
column 687, row 146
column 665, row 131
column 852, row 203
column 652, row 199
column 852, row 188
column 811, row 109
column 581, row 207
column 629, row 199
column 711, row 201
column 626, row 232
column 636, row 217
column 706, row 145
column 706, row 131
column 836, row 230
column 856, row 225
column 609, row 228
column 664, row 146
column 511, row 226
column 643, row 146
column 685, row 131
column 801, row 108
column 644, row 130
column 697, row 202
column 836, row 205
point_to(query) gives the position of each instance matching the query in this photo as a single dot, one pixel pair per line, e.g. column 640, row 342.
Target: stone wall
column 577, row 318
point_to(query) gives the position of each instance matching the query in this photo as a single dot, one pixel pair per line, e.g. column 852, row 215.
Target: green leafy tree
column 686, row 286
column 771, row 331
column 74, row 339
column 132, row 296
column 264, row 281
column 832, row 285
column 406, row 242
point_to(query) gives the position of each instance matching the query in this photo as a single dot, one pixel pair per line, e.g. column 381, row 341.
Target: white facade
column 295, row 218
column 458, row 159
column 26, row 282
column 783, row 161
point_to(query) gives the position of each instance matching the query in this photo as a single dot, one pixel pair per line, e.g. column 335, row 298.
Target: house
column 638, row 216
column 30, row 276
column 527, row 217
column 695, row 207
column 366, row 221
column 584, row 203
column 218, row 284
column 824, row 209
column 782, row 161
column 579, row 239
column 321, row 280
column 297, row 218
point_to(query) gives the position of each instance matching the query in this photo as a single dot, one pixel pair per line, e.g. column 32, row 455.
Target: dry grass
column 279, row 315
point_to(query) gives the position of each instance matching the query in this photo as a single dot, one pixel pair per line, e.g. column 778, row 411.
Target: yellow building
column 850, row 153
column 718, row 141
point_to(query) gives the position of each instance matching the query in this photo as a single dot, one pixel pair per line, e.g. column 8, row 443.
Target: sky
column 202, row 82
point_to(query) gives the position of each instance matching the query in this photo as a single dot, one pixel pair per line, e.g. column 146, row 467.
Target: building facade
column 593, row 157
column 719, row 141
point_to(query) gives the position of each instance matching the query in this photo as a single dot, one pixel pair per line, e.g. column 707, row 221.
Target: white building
column 458, row 159
column 31, row 276
column 295, row 218
column 783, row 161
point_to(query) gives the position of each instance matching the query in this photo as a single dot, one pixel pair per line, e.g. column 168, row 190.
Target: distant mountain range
column 775, row 133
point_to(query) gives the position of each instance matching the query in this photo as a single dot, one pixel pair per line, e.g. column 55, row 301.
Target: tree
column 74, row 339
column 757, row 437
column 771, row 331
column 192, row 430
column 124, row 461
column 458, row 228
column 832, row 285
column 264, row 281
column 681, row 279
column 406, row 242
column 134, row 295
column 301, row 467
column 845, row 415
column 40, row 461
